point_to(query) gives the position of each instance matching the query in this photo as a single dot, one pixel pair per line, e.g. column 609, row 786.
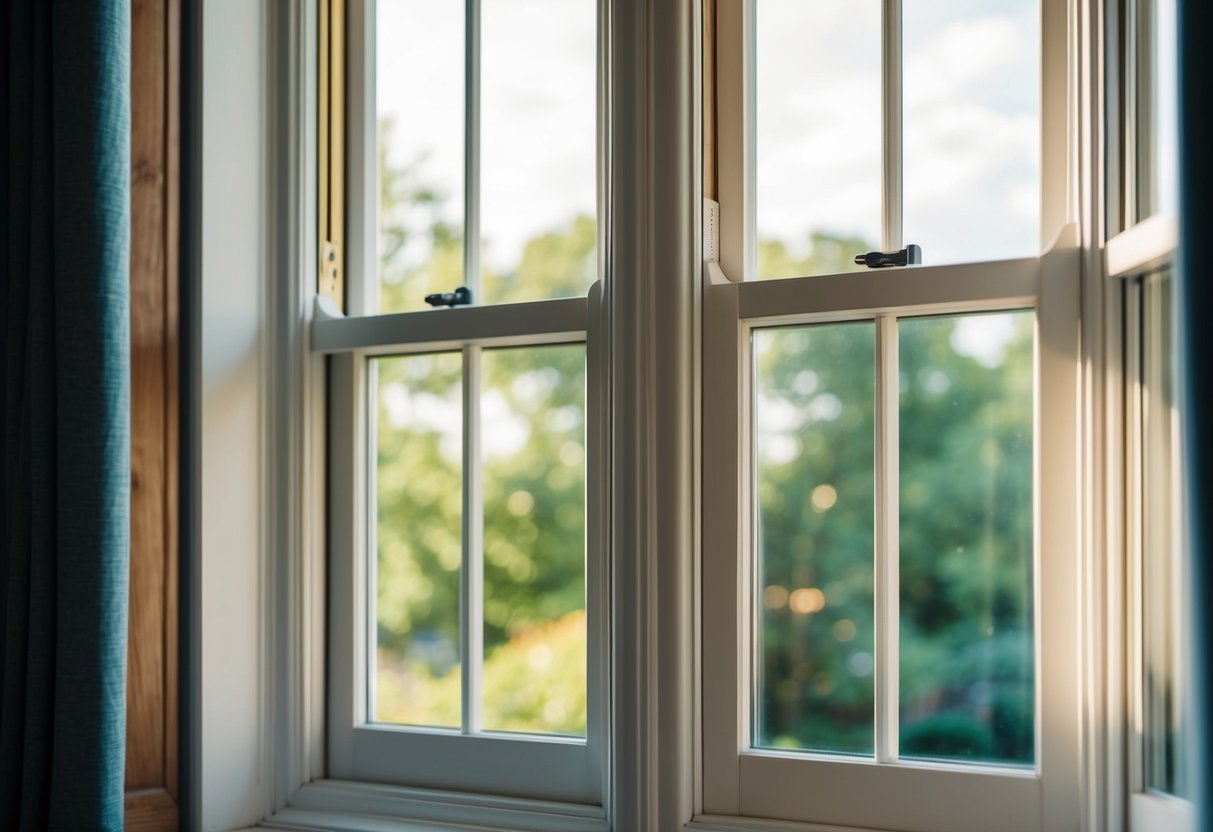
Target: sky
column 538, row 110
column 971, row 104
column 970, row 111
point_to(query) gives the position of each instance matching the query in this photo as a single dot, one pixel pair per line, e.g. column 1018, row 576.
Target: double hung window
column 466, row 612
column 1140, row 258
column 890, row 491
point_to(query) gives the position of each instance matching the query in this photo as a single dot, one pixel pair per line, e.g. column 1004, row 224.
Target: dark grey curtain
column 1194, row 300
column 64, row 411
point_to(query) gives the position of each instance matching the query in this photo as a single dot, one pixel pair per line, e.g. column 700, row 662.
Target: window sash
column 572, row 768
column 1149, row 811
column 734, row 76
column 741, row 780
column 529, row 766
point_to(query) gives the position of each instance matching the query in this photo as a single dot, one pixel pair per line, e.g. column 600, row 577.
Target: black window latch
column 460, row 297
column 911, row 255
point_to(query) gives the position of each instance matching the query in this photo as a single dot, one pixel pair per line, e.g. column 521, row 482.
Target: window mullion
column 471, row 620
column 471, row 590
column 471, row 156
column 887, row 556
column 891, row 144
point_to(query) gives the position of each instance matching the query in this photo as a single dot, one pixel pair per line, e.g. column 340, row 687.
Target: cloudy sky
column 538, row 109
column 971, row 142
column 971, row 107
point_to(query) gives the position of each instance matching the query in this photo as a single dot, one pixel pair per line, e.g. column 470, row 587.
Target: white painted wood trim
column 887, row 560
column 362, row 154
column 346, row 806
column 433, row 330
column 1145, row 246
column 230, row 688
column 471, row 575
column 723, row 823
column 735, row 126
column 892, row 180
column 903, row 797
column 651, row 296
column 295, row 407
column 1001, row 284
column 1150, row 812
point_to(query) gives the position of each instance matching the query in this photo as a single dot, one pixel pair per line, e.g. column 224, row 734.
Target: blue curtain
column 1194, row 305
column 64, row 411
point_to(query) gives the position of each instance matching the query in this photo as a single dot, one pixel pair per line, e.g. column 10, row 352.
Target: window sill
column 345, row 806
column 721, row 823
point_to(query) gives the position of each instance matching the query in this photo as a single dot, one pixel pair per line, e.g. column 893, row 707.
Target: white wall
column 229, row 204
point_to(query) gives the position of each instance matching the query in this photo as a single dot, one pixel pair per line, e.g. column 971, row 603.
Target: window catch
column 911, row 255
column 460, row 297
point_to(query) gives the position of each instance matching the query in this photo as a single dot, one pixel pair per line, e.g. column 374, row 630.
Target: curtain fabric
column 64, row 411
column 1194, row 303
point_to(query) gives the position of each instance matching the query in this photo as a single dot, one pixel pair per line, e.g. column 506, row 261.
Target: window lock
column 460, row 297
column 911, row 255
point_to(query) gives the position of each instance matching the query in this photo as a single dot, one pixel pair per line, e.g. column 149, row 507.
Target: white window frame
column 537, row 767
column 257, row 572
column 1142, row 238
column 255, row 688
column 741, row 782
column 1130, row 257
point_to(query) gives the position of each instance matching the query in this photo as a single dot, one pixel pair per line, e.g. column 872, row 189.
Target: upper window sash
column 1142, row 100
column 733, row 72
column 1143, row 247
column 470, row 195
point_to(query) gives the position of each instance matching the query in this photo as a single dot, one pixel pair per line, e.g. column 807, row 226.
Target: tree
column 533, row 476
column 965, row 457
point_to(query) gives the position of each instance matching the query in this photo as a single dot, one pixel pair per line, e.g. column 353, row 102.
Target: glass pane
column 814, row 391
column 538, row 146
column 1165, row 112
column 967, row 640
column 418, row 509
column 972, row 128
column 1162, row 577
column 818, row 135
column 533, row 424
column 420, row 92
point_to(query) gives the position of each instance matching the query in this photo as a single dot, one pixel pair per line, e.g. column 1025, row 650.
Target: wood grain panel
column 151, row 727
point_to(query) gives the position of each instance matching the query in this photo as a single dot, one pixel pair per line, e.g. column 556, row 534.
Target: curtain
column 1194, row 304
column 64, row 411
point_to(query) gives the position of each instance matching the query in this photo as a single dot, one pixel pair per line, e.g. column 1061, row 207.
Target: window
column 1140, row 253
column 828, row 514
column 467, row 620
column 890, row 497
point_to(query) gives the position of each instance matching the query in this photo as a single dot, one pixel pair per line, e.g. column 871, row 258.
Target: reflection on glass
column 533, row 423
column 813, row 401
column 1165, row 108
column 818, row 135
column 972, row 128
column 967, row 641
column 419, row 91
column 1162, row 578
column 418, row 508
column 538, row 146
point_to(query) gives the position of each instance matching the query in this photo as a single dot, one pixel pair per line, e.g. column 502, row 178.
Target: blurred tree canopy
column 533, row 415
column 966, row 671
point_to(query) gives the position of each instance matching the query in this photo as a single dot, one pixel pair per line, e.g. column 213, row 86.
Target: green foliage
column 533, row 683
column 533, row 482
column 827, row 254
column 967, row 684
